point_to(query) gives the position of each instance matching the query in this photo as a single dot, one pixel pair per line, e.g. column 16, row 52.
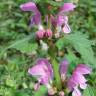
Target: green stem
column 56, row 74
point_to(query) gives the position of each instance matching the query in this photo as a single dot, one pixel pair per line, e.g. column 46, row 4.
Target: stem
column 56, row 74
column 49, row 21
column 55, row 65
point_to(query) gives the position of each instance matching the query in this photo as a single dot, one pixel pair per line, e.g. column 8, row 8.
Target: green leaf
column 81, row 44
column 90, row 91
column 10, row 82
column 41, row 92
column 26, row 47
column 22, row 45
column 23, row 92
column 54, row 3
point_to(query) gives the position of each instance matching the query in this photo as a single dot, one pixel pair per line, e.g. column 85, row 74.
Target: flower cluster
column 43, row 71
column 60, row 21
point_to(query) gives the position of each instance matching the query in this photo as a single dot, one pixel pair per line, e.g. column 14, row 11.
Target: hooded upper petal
column 67, row 7
column 83, row 69
column 31, row 6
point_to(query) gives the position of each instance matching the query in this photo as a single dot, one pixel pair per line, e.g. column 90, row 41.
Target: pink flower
column 78, row 79
column 62, row 18
column 30, row 6
column 76, row 92
column 42, row 71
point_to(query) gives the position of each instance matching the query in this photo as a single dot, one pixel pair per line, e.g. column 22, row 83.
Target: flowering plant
column 54, row 27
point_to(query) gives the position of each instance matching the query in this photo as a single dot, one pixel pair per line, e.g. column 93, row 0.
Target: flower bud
column 48, row 33
column 61, row 93
column 52, row 91
column 40, row 34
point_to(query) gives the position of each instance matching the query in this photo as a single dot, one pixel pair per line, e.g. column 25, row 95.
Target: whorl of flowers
column 43, row 71
column 60, row 21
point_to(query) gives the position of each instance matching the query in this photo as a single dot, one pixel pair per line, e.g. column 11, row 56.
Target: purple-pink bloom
column 42, row 70
column 62, row 19
column 63, row 67
column 67, row 7
column 30, row 6
column 83, row 69
column 78, row 79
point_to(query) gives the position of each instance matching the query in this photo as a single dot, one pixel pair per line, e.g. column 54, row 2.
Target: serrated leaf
column 23, row 45
column 90, row 91
column 41, row 91
column 83, row 46
column 26, row 47
column 81, row 43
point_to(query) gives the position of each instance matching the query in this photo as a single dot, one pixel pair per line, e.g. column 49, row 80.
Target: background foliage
column 18, row 48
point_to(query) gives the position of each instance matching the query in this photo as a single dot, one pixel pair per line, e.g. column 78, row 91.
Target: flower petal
column 62, row 20
column 83, row 86
column 75, row 80
column 63, row 67
column 37, row 70
column 36, row 86
column 76, row 92
column 67, row 7
column 66, row 29
column 78, row 78
column 83, row 69
column 30, row 6
column 36, row 19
